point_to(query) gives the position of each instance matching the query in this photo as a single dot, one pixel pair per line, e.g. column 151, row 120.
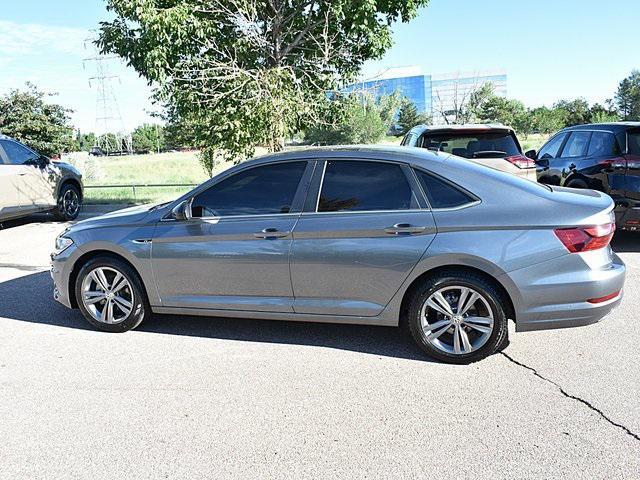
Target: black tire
column 140, row 309
column 63, row 211
column 497, row 339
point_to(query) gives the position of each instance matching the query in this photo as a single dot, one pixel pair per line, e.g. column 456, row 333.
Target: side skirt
column 292, row 317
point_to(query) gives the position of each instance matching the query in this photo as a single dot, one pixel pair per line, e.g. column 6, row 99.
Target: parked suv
column 495, row 146
column 604, row 157
column 31, row 182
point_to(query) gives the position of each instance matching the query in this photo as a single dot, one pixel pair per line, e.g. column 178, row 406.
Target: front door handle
column 407, row 228
column 271, row 233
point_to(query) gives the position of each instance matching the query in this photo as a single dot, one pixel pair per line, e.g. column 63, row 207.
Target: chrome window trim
column 324, row 170
column 366, row 212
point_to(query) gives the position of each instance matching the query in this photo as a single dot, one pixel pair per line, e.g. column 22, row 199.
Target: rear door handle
column 400, row 228
column 271, row 233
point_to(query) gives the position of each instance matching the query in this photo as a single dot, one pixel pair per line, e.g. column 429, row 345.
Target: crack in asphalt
column 573, row 397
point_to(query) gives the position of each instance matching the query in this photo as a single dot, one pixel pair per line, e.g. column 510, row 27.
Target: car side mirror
column 182, row 211
column 542, row 162
column 532, row 154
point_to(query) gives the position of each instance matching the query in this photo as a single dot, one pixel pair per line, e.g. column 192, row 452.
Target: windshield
column 634, row 143
column 473, row 144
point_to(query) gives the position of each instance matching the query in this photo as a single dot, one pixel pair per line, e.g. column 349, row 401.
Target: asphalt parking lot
column 186, row 397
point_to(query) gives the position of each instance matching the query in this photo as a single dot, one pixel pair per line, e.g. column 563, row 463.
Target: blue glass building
column 432, row 94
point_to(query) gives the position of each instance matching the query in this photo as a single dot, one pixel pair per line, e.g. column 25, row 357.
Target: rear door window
column 361, row 186
column 603, row 144
column 552, row 147
column 633, row 143
column 576, row 145
column 442, row 194
column 473, row 144
column 16, row 153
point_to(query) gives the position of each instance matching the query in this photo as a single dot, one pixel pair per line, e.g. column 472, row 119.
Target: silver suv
column 31, row 183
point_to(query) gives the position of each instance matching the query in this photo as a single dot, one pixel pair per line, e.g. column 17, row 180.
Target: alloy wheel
column 456, row 319
column 107, row 295
column 70, row 202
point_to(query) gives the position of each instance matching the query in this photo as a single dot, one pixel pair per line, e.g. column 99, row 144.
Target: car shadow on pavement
column 29, row 299
column 626, row 242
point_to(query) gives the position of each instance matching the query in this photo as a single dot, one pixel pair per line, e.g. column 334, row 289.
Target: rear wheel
column 458, row 317
column 110, row 295
column 68, row 204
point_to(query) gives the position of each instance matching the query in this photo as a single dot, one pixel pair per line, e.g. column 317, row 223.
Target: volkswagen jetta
column 378, row 236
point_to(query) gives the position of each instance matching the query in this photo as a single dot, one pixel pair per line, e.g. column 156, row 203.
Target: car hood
column 66, row 166
column 126, row 216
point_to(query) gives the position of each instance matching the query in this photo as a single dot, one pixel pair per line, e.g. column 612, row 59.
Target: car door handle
column 271, row 233
column 400, row 228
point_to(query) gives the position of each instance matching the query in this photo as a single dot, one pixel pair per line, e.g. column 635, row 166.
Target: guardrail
column 142, row 185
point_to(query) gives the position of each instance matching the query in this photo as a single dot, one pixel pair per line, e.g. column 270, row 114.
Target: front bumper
column 60, row 274
column 554, row 294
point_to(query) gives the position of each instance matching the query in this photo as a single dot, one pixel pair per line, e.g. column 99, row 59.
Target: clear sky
column 549, row 49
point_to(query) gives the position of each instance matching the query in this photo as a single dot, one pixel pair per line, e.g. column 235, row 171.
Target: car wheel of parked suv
column 110, row 295
column 68, row 205
column 458, row 317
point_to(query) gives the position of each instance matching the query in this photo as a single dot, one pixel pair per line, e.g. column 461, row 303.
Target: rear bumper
column 554, row 294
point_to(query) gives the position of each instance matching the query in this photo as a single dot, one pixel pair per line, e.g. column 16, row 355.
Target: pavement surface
column 184, row 397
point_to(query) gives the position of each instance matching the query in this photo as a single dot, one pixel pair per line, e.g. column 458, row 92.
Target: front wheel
column 458, row 317
column 68, row 204
column 110, row 295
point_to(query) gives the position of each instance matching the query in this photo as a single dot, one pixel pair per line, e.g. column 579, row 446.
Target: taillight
column 521, row 161
column 584, row 239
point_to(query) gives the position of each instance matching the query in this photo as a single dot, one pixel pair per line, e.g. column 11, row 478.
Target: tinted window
column 576, row 146
column 552, row 147
column 17, row 153
column 633, row 141
column 602, row 144
column 442, row 194
column 257, row 191
column 357, row 186
column 472, row 145
column 407, row 140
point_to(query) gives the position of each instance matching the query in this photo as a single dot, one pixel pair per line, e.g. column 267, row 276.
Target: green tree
column 576, row 112
column 249, row 72
column 26, row 116
column 408, row 116
column 627, row 97
column 85, row 141
column 148, row 138
column 497, row 109
column 603, row 114
column 547, row 120
column 354, row 119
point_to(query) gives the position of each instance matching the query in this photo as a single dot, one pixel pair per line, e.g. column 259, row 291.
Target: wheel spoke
column 466, row 344
column 464, row 292
column 107, row 313
column 95, row 275
column 124, row 305
column 438, row 328
column 481, row 324
column 456, row 339
column 91, row 297
column 440, row 304
column 462, row 309
column 118, row 283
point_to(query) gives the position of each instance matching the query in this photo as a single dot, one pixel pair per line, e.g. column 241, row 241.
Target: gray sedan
column 378, row 236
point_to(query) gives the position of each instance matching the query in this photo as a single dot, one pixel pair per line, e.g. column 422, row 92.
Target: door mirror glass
column 532, row 154
column 180, row 212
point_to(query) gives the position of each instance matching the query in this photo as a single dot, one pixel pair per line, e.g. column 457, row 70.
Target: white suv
column 495, row 146
column 31, row 183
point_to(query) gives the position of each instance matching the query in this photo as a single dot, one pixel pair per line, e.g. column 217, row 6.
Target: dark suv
column 603, row 157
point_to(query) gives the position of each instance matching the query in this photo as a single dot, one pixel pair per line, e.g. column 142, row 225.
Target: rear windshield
column 473, row 144
column 634, row 142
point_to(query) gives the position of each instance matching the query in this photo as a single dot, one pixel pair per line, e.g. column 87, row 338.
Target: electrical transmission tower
column 111, row 136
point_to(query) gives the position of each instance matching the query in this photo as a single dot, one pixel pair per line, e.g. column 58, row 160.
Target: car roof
column 6, row 137
column 465, row 127
column 412, row 155
column 611, row 126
